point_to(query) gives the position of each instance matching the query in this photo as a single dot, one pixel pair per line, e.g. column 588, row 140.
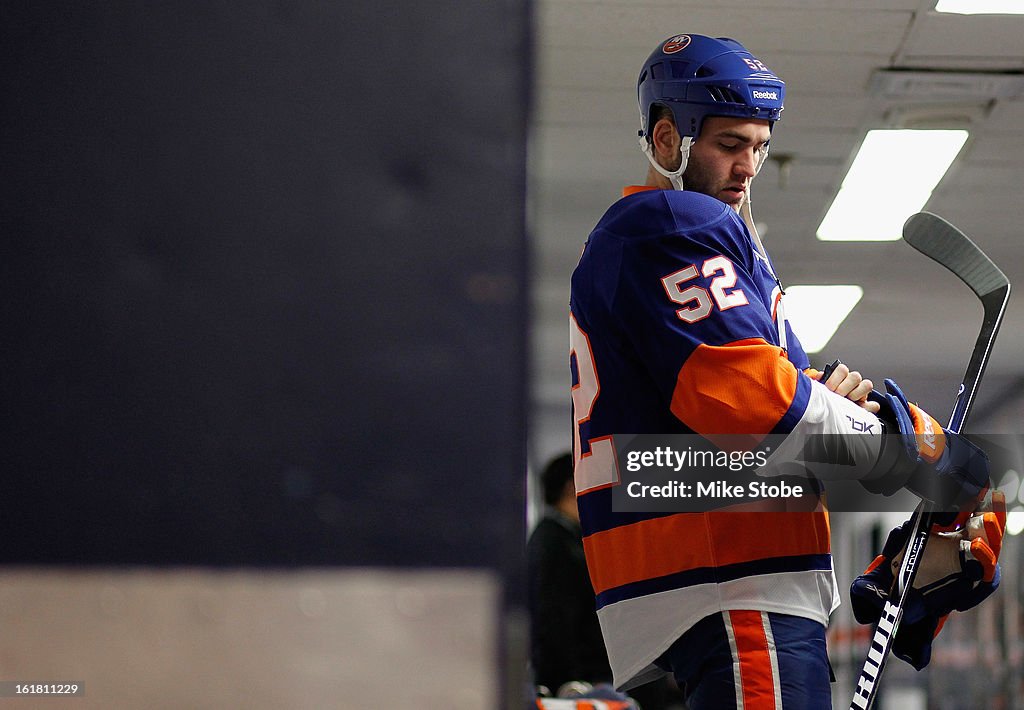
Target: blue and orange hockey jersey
column 673, row 330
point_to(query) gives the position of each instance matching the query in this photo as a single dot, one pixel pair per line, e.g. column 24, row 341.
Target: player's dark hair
column 554, row 477
column 658, row 112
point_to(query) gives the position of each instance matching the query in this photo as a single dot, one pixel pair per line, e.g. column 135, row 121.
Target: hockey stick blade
column 939, row 240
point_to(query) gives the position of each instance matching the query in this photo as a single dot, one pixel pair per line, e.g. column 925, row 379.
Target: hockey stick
column 939, row 240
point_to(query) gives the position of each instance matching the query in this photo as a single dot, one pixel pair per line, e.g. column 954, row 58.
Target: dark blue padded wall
column 263, row 283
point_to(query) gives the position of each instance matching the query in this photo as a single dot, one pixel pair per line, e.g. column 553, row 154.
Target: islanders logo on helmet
column 676, row 44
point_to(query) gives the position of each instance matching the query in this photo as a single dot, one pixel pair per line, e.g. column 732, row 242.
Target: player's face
column 724, row 157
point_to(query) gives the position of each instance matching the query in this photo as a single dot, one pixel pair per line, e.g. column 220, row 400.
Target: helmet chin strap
column 745, row 213
column 674, row 176
column 748, row 219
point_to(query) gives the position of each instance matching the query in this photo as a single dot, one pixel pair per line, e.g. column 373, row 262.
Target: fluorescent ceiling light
column 981, row 7
column 891, row 178
column 1015, row 521
column 816, row 312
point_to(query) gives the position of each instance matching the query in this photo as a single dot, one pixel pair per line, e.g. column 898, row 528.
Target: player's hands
column 959, row 570
column 981, row 539
column 971, row 550
column 850, row 384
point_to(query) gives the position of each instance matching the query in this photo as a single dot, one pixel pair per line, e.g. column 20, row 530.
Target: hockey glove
column 959, row 570
column 936, row 464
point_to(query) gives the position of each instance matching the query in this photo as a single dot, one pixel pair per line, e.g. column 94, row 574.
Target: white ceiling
column 916, row 322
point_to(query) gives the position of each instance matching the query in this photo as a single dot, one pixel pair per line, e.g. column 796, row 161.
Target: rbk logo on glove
column 929, row 445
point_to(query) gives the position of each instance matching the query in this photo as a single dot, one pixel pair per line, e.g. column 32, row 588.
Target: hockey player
column 677, row 326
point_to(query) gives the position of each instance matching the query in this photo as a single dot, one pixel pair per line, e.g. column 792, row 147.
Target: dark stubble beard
column 697, row 179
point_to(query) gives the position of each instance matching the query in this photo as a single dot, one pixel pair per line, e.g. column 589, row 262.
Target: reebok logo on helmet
column 774, row 95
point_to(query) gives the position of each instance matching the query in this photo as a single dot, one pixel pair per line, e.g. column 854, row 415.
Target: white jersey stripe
column 737, row 680
column 773, row 655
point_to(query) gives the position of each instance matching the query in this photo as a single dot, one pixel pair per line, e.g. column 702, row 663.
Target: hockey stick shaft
column 941, row 241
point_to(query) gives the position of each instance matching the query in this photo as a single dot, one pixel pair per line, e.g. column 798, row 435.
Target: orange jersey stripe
column 756, row 677
column 742, row 388
column 687, row 541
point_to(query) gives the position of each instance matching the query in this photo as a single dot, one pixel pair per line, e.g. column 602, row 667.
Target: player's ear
column 666, row 141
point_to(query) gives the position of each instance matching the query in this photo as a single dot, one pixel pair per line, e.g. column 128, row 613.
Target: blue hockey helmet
column 696, row 76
